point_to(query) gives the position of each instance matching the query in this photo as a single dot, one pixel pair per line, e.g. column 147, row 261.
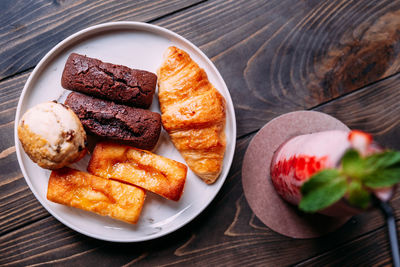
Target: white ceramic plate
column 141, row 46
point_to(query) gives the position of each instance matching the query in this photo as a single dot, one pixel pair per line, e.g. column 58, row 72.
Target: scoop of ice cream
column 52, row 135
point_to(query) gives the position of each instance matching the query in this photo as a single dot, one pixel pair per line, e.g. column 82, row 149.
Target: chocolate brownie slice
column 108, row 81
column 138, row 127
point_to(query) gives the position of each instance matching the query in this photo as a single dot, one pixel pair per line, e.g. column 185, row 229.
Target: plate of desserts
column 125, row 131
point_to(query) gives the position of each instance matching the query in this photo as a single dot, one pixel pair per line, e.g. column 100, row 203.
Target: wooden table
column 339, row 57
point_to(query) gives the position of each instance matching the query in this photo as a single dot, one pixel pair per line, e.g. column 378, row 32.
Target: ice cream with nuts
column 52, row 135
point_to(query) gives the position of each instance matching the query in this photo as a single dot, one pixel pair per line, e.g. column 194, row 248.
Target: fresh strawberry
column 360, row 141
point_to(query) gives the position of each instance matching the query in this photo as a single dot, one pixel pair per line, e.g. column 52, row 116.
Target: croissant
column 193, row 113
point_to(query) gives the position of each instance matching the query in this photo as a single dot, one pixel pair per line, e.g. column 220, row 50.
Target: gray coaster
column 267, row 205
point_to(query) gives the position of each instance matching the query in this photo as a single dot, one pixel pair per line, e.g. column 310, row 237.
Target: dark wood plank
column 10, row 90
column 18, row 206
column 30, row 29
column 375, row 109
column 276, row 56
column 237, row 229
column 227, row 233
column 280, row 56
column 371, row 249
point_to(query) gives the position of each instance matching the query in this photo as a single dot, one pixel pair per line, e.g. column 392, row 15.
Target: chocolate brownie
column 108, row 81
column 138, row 127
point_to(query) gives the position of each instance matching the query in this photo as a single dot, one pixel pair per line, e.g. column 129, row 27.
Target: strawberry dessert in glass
column 335, row 173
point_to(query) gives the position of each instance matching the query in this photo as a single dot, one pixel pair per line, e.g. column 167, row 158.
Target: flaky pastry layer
column 193, row 113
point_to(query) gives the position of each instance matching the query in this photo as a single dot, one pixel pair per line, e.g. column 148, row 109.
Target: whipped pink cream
column 304, row 155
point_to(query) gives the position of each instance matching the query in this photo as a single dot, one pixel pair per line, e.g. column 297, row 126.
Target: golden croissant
column 193, row 113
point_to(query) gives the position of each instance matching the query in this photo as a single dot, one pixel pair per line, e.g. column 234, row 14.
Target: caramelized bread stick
column 102, row 196
column 155, row 173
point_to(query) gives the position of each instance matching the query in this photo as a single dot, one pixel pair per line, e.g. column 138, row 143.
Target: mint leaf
column 357, row 176
column 322, row 190
column 353, row 164
column 386, row 159
column 358, row 196
column 382, row 178
column 382, row 169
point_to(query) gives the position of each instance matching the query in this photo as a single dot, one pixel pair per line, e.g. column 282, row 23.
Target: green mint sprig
column 356, row 179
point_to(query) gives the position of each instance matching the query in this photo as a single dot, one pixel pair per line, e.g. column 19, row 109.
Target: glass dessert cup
column 302, row 156
column 275, row 142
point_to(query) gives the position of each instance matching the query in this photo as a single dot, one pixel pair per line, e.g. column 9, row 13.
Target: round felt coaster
column 259, row 191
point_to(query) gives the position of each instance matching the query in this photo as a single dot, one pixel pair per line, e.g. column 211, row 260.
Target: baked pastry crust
column 160, row 175
column 193, row 113
column 88, row 192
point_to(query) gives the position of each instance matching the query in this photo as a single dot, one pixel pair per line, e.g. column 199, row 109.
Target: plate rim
column 121, row 25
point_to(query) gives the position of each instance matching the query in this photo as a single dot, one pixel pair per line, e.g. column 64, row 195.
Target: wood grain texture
column 31, row 28
column 359, row 251
column 238, row 238
column 280, row 56
column 275, row 56
column 375, row 109
column 18, row 205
